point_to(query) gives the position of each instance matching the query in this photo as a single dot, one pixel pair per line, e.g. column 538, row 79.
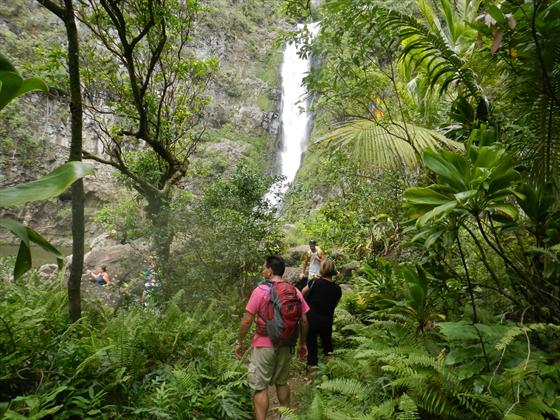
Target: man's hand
column 302, row 351
column 238, row 350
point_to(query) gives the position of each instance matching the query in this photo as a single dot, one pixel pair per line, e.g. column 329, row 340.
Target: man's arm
column 244, row 326
column 302, row 349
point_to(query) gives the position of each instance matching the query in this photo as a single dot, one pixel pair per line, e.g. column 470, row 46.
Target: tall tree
column 146, row 94
column 65, row 11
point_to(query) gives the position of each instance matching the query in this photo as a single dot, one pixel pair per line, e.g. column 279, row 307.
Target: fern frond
column 185, row 378
column 408, row 381
column 532, row 409
column 409, row 410
column 348, row 387
column 483, row 406
column 382, row 411
column 163, row 399
column 436, row 402
column 316, row 408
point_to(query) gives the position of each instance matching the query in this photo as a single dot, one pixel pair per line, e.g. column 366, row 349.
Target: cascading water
column 296, row 113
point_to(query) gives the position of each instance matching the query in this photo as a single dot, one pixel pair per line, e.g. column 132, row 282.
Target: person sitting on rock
column 101, row 277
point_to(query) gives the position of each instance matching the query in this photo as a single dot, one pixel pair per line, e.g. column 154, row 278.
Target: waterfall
column 295, row 115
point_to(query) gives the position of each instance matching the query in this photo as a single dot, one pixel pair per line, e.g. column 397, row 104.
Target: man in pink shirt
column 269, row 365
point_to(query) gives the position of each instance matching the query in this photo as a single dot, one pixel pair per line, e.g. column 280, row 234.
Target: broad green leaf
column 11, row 83
column 49, row 186
column 503, row 180
column 461, row 330
column 422, row 235
column 439, row 165
column 507, row 210
column 487, row 157
column 465, row 196
column 28, row 235
column 432, row 239
column 32, row 84
column 459, row 163
column 23, row 260
column 496, row 13
column 425, row 195
column 436, row 213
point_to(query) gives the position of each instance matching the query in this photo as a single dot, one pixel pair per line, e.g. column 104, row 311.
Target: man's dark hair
column 276, row 264
column 312, row 242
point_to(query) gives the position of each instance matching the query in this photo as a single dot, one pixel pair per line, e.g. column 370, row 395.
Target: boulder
column 48, row 271
column 336, row 255
column 123, row 262
column 345, row 287
column 294, row 256
column 347, row 269
column 102, row 241
column 291, row 275
column 109, row 295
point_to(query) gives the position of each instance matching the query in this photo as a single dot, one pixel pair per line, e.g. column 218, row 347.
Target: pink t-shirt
column 255, row 305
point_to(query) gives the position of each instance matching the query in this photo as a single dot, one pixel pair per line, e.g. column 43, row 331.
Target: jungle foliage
column 453, row 320
column 137, row 363
column 434, row 169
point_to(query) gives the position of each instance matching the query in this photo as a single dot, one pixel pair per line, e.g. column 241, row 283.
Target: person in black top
column 322, row 296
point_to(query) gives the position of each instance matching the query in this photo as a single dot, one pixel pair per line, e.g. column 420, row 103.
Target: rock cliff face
column 35, row 131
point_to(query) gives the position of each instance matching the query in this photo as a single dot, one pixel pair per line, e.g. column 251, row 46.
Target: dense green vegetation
column 135, row 362
column 433, row 168
column 455, row 313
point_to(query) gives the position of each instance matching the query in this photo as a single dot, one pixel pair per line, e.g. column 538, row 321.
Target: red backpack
column 281, row 314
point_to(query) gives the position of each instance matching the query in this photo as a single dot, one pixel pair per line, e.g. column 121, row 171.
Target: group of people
column 151, row 284
column 269, row 363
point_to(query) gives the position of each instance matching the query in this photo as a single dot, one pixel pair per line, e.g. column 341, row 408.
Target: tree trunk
column 162, row 235
column 66, row 14
column 78, row 198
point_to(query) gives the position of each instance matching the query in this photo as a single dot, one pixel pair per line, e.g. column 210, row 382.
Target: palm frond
column 430, row 48
column 389, row 145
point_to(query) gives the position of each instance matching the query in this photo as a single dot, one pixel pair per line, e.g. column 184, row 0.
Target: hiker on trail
column 101, row 277
column 272, row 347
column 151, row 283
column 312, row 261
column 322, row 296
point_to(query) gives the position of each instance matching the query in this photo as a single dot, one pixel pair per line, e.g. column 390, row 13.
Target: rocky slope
column 34, row 132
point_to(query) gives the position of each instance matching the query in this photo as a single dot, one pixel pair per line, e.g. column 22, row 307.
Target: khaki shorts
column 269, row 366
